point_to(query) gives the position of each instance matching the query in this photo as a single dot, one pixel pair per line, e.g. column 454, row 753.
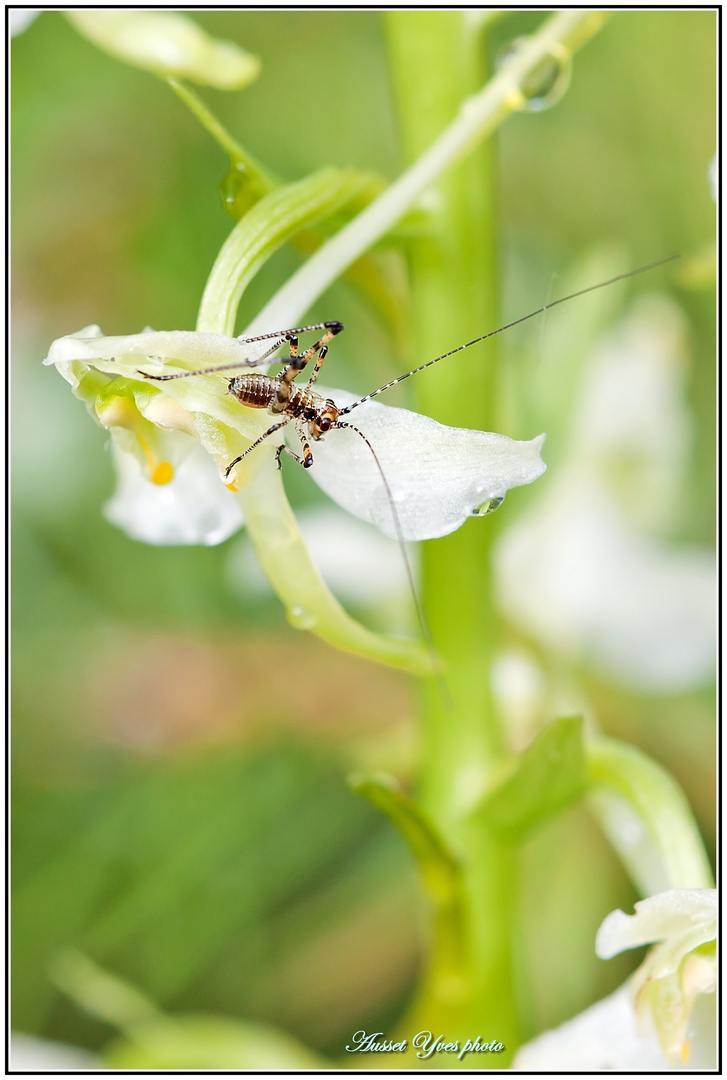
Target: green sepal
column 550, row 775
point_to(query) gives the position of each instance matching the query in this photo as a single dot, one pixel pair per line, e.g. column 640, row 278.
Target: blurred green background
column 181, row 811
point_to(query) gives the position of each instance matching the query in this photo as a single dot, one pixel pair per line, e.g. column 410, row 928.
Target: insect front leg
column 270, row 431
column 322, row 354
column 284, row 449
column 297, row 363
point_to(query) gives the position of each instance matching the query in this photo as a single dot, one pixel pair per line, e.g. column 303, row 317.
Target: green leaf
column 210, row 1042
column 441, row 873
column 102, row 995
column 439, row 868
column 550, row 775
column 155, row 1041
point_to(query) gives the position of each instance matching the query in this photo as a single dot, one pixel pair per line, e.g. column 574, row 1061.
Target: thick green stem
column 478, row 116
column 453, row 277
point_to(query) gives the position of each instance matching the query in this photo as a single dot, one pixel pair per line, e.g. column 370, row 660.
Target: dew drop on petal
column 488, row 506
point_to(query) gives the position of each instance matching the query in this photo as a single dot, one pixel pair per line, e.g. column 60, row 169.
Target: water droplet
column 488, row 506
column 301, row 618
column 238, row 190
column 546, row 84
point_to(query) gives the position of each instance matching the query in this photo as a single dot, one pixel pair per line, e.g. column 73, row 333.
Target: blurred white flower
column 21, row 18
column 579, row 570
column 169, row 44
column 29, row 1054
column 661, row 1017
column 713, row 177
column 436, row 475
column 677, row 970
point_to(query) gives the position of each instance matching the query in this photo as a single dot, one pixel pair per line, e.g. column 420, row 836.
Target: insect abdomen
column 255, row 391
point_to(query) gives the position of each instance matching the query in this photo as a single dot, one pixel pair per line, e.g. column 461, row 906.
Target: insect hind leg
column 306, row 460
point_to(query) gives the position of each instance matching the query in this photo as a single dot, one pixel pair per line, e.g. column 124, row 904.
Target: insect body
column 279, row 395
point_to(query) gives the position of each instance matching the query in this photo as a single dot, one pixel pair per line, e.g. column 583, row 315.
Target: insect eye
column 324, row 423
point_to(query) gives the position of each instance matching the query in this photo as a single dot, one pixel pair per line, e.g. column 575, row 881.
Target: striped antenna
column 508, row 326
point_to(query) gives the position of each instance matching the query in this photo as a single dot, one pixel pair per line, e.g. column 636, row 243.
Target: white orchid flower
column 434, row 489
column 437, row 476
column 662, row 1017
column 678, row 969
column 586, row 569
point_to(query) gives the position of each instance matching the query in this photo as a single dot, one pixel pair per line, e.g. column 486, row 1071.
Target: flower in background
column 663, row 1013
column 586, row 569
column 21, row 18
column 165, row 43
column 29, row 1054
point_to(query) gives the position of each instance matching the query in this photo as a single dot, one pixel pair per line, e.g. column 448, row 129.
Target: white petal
column 687, row 914
column 168, row 44
column 193, row 349
column 194, row 508
column 21, row 18
column 167, row 352
column 437, row 475
column 574, row 573
column 604, row 1037
column 30, row 1054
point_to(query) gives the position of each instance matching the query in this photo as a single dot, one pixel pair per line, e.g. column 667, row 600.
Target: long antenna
column 423, row 621
column 508, row 326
